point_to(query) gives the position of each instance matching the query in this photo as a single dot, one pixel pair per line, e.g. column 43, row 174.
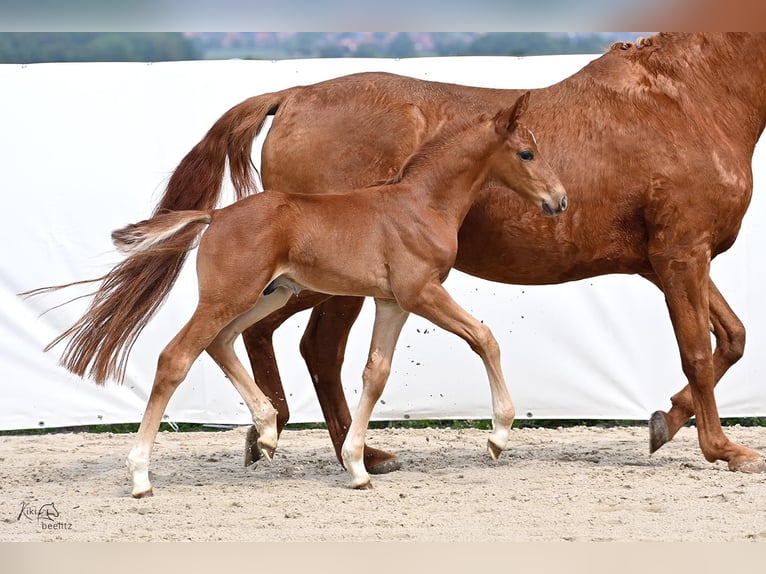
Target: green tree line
column 399, row 45
column 35, row 47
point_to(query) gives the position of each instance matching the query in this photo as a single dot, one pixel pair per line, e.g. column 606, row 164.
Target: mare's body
column 654, row 143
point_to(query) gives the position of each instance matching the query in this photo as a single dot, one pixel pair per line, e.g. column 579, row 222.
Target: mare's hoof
column 658, row 431
column 752, row 466
column 145, row 494
column 378, row 461
column 385, row 466
column 364, row 486
column 493, row 450
column 252, row 452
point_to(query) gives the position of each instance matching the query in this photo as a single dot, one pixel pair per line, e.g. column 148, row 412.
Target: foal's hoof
column 267, row 450
column 144, row 494
column 752, row 466
column 252, row 452
column 364, row 486
column 493, row 450
column 658, row 431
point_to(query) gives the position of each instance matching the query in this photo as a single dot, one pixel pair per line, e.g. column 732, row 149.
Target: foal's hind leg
column 172, row 366
column 730, row 346
column 323, row 347
column 435, row 304
column 260, row 351
column 389, row 320
column 222, row 351
column 211, row 327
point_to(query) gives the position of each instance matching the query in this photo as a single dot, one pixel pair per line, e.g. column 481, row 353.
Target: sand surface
column 579, row 484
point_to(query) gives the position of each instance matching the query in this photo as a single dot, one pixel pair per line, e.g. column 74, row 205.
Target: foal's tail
column 164, row 228
column 100, row 341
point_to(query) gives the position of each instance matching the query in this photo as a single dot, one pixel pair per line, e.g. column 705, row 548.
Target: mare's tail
column 196, row 182
column 100, row 342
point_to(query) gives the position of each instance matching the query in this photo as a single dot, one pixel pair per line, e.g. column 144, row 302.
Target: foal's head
column 519, row 165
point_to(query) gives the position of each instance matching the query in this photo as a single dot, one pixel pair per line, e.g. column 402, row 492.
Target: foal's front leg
column 435, row 304
column 389, row 320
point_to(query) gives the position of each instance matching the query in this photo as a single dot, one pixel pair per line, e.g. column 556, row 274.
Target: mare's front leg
column 684, row 280
column 729, row 335
column 434, row 303
column 389, row 320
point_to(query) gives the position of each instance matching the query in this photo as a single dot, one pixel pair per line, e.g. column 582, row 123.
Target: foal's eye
column 526, row 155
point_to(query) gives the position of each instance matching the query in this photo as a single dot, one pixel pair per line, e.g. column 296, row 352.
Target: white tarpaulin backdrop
column 87, row 148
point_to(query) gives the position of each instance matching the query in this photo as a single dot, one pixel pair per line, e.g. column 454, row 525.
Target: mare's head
column 520, row 166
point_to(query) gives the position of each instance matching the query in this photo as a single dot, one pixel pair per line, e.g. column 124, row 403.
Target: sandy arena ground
column 576, row 484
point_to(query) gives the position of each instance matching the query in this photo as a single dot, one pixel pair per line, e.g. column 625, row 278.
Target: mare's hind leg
column 730, row 346
column 260, row 352
column 323, row 347
column 172, row 366
column 389, row 320
column 435, row 304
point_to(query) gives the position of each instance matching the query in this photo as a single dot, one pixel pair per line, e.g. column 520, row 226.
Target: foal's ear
column 506, row 119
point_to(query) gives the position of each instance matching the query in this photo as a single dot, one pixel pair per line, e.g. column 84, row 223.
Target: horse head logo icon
column 47, row 512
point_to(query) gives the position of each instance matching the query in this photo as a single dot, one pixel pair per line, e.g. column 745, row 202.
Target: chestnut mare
column 653, row 141
column 395, row 242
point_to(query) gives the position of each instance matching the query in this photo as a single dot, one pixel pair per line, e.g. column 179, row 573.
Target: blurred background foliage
column 36, row 47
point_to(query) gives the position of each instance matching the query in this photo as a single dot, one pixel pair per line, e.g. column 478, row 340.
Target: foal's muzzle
column 552, row 208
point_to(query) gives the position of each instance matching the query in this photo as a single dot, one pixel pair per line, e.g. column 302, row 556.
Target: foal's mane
column 445, row 135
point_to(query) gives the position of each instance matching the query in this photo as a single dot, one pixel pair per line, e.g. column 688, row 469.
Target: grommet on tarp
column 170, row 423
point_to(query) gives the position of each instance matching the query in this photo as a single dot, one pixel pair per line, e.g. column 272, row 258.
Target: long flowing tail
column 99, row 343
column 196, row 182
column 131, row 293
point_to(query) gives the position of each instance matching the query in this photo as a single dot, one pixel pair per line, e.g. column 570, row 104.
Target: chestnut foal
column 395, row 242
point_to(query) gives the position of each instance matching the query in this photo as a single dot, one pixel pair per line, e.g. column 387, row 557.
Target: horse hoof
column 144, row 494
column 378, row 461
column 493, row 450
column 252, row 452
column 385, row 466
column 267, row 451
column 364, row 486
column 752, row 466
column 658, row 431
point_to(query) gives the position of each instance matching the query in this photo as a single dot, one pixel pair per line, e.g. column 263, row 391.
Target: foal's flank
column 395, row 242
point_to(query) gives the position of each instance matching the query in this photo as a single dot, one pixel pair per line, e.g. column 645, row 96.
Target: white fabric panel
column 87, row 148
